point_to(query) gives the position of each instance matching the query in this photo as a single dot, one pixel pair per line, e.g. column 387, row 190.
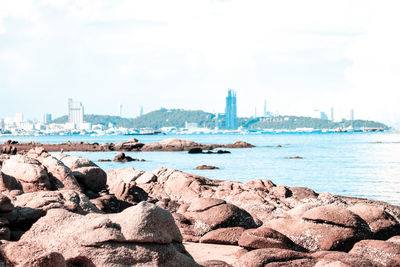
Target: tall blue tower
column 230, row 111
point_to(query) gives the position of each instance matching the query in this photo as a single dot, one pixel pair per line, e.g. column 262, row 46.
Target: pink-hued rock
column 334, row 215
column 227, row 236
column 29, row 172
column 87, row 173
column 339, row 258
column 9, row 183
column 210, row 216
column 29, row 207
column 60, row 176
column 239, row 144
column 264, row 237
column 376, row 250
column 5, row 204
column 171, row 144
column 261, row 257
column 321, row 228
column 381, row 223
column 38, row 153
column 143, row 235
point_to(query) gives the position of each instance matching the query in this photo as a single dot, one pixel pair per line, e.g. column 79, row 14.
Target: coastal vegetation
column 179, row 117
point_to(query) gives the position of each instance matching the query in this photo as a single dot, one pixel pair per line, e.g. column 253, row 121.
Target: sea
column 363, row 165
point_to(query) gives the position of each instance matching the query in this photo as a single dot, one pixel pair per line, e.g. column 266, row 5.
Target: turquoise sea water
column 352, row 164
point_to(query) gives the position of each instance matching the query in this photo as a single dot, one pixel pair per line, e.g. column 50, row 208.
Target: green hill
column 293, row 122
column 155, row 119
column 178, row 117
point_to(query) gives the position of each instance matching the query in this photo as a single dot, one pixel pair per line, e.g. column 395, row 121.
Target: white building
column 75, row 113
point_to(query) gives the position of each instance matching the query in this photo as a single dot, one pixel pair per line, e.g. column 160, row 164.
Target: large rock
column 60, row 176
column 29, row 172
column 29, row 207
column 381, row 223
column 87, row 173
column 171, row 144
column 264, row 237
column 322, row 228
column 261, row 257
column 376, row 250
column 228, row 236
column 9, row 183
column 143, row 235
column 209, row 214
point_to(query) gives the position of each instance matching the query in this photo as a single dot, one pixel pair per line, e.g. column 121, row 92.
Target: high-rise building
column 230, row 111
column 265, row 108
column 120, row 110
column 140, row 111
column 19, row 117
column 75, row 112
column 323, row 116
column 352, row 114
column 46, row 118
column 2, row 124
column 332, row 118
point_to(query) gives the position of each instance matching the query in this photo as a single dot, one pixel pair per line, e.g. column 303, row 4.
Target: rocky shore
column 172, row 144
column 61, row 210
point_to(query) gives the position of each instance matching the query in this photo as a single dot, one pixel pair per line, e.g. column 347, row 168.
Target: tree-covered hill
column 293, row 122
column 178, row 117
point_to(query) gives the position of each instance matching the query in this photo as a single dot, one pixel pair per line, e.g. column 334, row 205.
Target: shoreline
column 133, row 145
column 254, row 223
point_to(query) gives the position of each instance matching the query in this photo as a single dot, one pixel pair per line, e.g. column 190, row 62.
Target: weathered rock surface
column 206, row 167
column 143, row 235
column 228, row 236
column 87, row 173
column 264, row 237
column 27, row 171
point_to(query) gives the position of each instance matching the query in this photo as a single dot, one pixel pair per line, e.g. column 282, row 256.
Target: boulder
column 171, row 144
column 28, row 172
column 121, row 157
column 9, row 183
column 381, row 223
column 261, row 257
column 88, row 174
column 206, row 167
column 131, row 145
column 209, row 214
column 29, row 207
column 142, row 235
column 146, row 177
column 60, row 176
column 239, row 144
column 126, row 175
column 264, row 237
column 129, row 192
column 376, row 250
column 195, row 150
column 227, row 236
column 5, row 204
column 38, row 153
column 322, row 228
column 110, row 204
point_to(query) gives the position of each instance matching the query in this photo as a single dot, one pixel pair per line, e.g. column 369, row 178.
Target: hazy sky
column 299, row 55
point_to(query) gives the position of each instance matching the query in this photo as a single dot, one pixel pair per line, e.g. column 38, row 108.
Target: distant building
column 323, row 116
column 218, row 119
column 46, row 118
column 191, row 125
column 255, row 112
column 2, row 124
column 120, row 110
column 332, row 118
column 140, row 111
column 19, row 117
column 352, row 114
column 230, row 111
column 265, row 108
column 75, row 113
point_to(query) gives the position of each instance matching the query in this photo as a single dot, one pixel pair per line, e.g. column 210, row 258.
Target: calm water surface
column 351, row 164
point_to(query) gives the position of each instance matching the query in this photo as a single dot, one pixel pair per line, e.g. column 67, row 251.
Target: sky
column 300, row 56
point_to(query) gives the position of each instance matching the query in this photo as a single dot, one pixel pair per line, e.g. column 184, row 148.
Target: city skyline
column 132, row 54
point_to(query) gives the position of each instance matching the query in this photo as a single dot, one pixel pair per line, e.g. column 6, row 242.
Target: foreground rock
column 144, row 235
